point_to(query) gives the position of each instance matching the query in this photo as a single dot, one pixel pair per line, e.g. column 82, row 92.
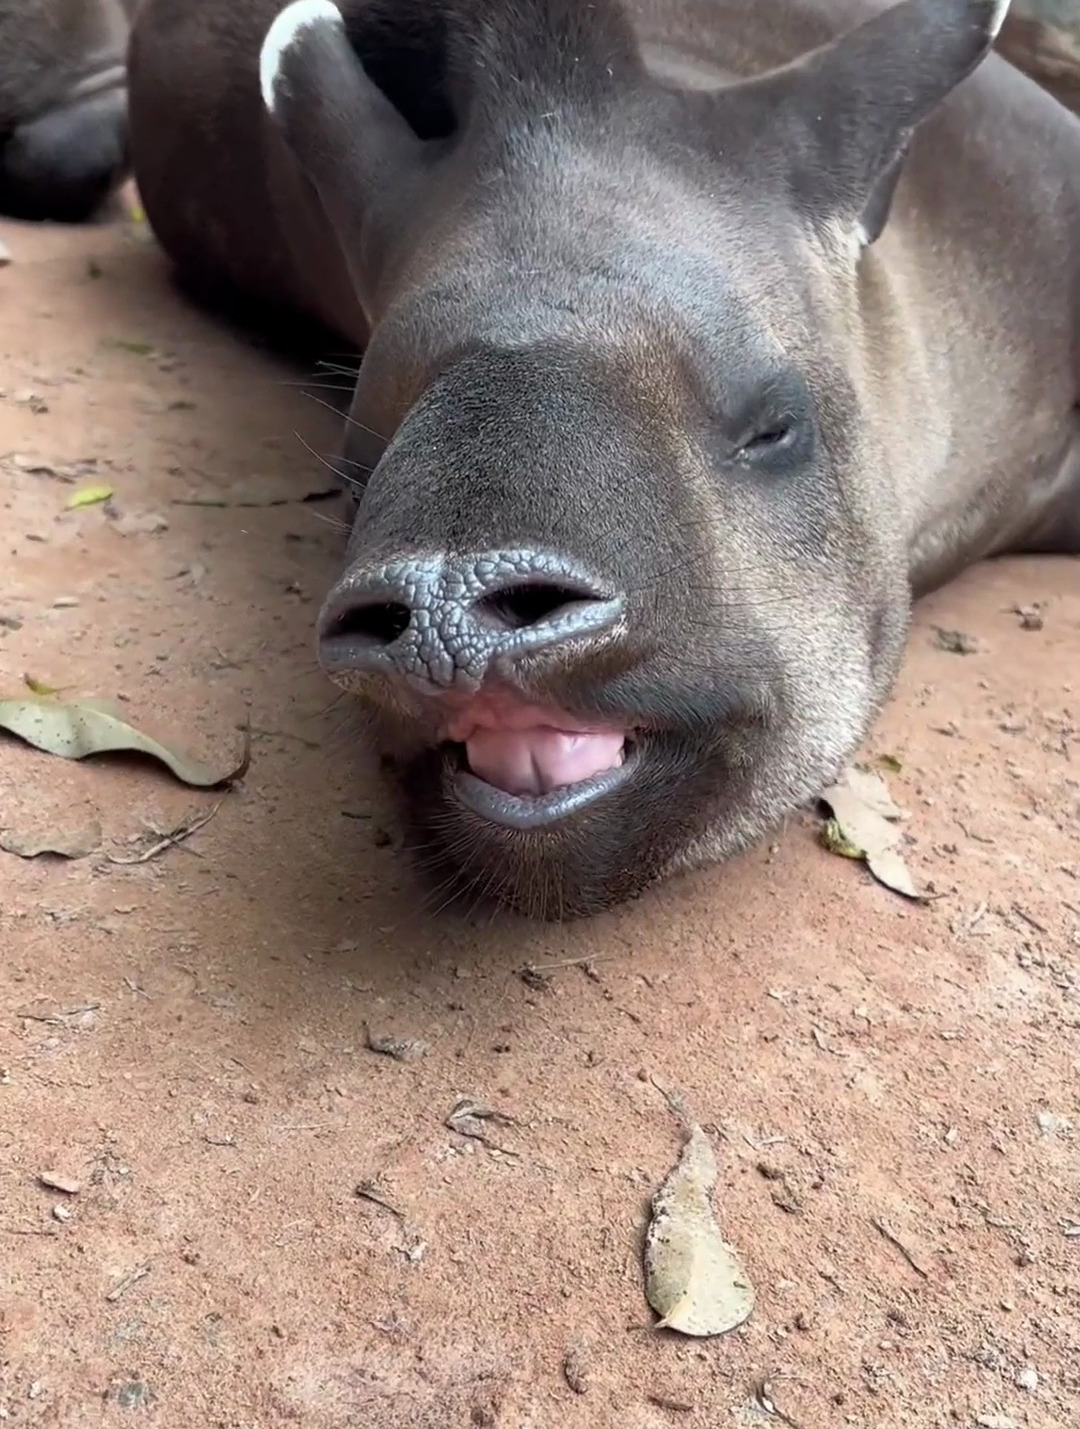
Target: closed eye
column 770, row 439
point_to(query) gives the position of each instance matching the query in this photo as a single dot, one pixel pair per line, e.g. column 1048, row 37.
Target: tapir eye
column 771, row 440
column 770, row 436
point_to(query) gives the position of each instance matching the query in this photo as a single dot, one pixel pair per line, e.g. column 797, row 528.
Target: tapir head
column 627, row 578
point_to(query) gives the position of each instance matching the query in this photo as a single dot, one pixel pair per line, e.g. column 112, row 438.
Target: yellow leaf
column 88, row 496
column 833, row 838
column 38, row 687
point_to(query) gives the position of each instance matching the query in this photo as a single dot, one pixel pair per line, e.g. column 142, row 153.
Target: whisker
column 352, row 421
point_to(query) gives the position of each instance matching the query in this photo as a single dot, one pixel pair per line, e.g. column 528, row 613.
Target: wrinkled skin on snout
column 626, row 583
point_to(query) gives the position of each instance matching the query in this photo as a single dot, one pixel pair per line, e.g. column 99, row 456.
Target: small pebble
column 61, row 1213
column 1028, row 1378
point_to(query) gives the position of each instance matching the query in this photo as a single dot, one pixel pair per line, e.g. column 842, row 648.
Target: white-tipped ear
column 284, row 33
column 339, row 126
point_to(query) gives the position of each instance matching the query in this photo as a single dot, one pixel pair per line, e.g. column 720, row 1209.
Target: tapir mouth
column 525, row 766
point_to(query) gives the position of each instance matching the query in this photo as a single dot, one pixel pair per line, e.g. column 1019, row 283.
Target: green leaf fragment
column 864, row 825
column 88, row 496
column 128, row 344
column 834, row 839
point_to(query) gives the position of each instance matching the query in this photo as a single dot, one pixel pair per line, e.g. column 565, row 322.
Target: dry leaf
column 53, row 1181
column 76, row 729
column 864, row 826
column 139, row 523
column 402, row 1049
column 88, row 496
column 693, row 1278
column 72, row 843
column 468, row 1118
column 956, row 642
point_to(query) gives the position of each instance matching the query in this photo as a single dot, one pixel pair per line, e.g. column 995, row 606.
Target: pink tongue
column 535, row 761
column 526, row 749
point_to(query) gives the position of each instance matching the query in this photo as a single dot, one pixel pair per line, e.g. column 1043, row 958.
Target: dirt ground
column 892, row 1088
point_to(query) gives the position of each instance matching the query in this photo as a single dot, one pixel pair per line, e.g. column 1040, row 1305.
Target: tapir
column 699, row 339
column 63, row 106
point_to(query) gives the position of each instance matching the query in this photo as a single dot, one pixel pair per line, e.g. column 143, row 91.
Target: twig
column 894, row 1240
column 367, row 1192
column 763, row 1397
column 764, row 1144
column 54, row 1017
column 132, row 1278
column 571, row 962
column 967, row 924
column 1029, row 920
column 675, row 1103
column 170, row 840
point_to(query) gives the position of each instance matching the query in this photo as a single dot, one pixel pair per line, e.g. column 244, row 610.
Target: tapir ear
column 849, row 109
column 341, row 129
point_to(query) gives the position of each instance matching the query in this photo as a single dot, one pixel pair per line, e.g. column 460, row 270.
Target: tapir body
column 63, row 105
column 700, row 337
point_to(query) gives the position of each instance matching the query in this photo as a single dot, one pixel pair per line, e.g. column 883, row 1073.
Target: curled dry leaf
column 693, row 1278
column 864, row 827
column 471, row 1118
column 76, row 729
column 956, row 642
column 402, row 1049
column 61, row 843
column 467, row 1118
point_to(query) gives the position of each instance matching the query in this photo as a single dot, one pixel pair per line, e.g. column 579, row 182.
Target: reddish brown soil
column 184, row 1036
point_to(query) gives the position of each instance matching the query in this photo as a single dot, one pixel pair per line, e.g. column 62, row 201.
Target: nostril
column 380, row 623
column 519, row 606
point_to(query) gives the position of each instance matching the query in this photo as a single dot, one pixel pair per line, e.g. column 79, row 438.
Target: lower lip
column 511, row 811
